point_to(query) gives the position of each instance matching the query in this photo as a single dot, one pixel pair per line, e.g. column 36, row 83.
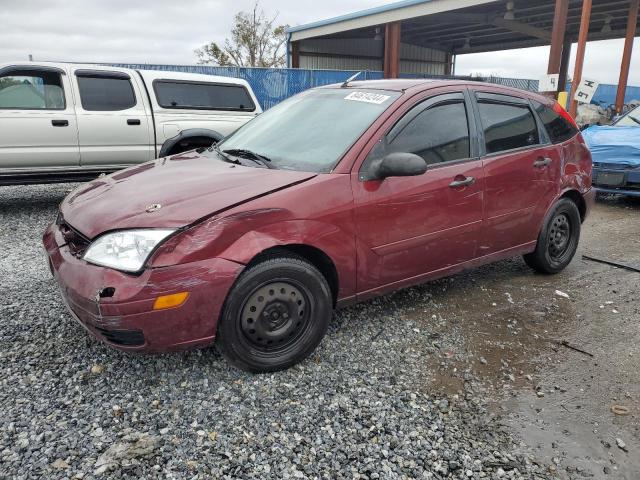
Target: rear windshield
column 558, row 128
column 202, row 96
column 311, row 131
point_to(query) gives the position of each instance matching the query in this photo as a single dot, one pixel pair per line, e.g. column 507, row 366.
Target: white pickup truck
column 61, row 121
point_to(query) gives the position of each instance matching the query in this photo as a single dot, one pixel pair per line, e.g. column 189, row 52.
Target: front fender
column 243, row 236
column 338, row 245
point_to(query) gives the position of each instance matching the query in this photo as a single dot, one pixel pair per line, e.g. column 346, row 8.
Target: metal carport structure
column 429, row 34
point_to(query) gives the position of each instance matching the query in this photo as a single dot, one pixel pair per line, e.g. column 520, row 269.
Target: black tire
column 275, row 315
column 558, row 239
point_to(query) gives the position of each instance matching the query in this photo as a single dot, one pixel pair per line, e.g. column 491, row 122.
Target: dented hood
column 169, row 193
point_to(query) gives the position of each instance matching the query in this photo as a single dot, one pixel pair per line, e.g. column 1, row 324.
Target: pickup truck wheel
column 558, row 239
column 275, row 315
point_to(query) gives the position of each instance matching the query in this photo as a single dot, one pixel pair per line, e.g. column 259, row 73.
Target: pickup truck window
column 31, row 90
column 202, row 96
column 106, row 93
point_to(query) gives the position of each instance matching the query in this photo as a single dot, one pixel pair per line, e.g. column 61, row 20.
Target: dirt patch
column 497, row 333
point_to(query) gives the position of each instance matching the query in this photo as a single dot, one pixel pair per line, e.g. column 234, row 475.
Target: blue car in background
column 616, row 154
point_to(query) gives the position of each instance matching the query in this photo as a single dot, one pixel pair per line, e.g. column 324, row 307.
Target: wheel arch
column 189, row 133
column 577, row 198
column 314, row 255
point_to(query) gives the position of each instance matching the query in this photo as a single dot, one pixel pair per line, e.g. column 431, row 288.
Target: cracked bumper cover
column 127, row 320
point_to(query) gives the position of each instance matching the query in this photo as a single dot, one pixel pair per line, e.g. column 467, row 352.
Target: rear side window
column 558, row 128
column 105, row 93
column 507, row 126
column 202, row 96
column 31, row 90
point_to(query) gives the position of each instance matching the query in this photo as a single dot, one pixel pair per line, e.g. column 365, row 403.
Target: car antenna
column 350, row 79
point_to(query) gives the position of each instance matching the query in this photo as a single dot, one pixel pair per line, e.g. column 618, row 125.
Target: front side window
column 311, row 131
column 558, row 128
column 438, row 134
column 31, row 90
column 202, row 96
column 507, row 126
column 106, row 93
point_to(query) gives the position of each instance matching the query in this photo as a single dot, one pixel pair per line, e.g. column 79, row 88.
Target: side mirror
column 400, row 164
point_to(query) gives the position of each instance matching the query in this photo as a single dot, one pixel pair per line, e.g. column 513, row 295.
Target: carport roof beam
column 582, row 45
column 626, row 54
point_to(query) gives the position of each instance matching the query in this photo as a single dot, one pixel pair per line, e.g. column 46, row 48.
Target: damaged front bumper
column 118, row 308
column 616, row 178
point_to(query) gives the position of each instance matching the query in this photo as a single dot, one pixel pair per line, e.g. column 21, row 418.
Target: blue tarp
column 610, row 144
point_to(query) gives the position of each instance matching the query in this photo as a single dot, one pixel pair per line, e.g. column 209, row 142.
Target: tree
column 8, row 82
column 255, row 42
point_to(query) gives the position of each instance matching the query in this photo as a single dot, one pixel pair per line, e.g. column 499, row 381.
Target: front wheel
column 275, row 315
column 558, row 239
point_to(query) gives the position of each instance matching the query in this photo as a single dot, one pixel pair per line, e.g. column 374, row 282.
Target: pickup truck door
column 114, row 125
column 38, row 127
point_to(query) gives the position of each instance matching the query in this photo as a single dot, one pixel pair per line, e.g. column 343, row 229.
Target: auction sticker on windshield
column 367, row 97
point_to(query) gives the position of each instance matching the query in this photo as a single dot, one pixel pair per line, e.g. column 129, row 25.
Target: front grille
column 128, row 338
column 76, row 242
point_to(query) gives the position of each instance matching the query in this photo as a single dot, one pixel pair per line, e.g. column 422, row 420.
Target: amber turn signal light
column 170, row 301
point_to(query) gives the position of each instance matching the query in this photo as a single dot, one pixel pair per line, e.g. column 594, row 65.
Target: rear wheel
column 558, row 239
column 275, row 315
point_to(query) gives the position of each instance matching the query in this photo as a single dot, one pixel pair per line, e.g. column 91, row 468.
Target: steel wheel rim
column 559, row 238
column 275, row 315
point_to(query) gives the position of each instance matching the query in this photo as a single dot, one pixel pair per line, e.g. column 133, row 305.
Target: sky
column 168, row 31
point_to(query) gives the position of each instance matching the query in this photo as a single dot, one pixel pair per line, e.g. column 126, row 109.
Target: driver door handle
column 542, row 162
column 463, row 183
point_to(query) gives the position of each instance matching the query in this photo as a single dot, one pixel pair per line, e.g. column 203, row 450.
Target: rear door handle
column 463, row 183
column 542, row 162
column 133, row 121
column 60, row 123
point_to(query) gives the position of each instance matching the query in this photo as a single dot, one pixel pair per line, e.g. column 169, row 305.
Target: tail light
column 564, row 114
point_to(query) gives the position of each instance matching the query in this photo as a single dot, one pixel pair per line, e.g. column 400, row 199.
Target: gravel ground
column 388, row 394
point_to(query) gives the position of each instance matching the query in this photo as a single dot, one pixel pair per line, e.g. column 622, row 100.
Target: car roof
column 414, row 85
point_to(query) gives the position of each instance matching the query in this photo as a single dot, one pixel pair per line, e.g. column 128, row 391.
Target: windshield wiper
column 224, row 157
column 249, row 155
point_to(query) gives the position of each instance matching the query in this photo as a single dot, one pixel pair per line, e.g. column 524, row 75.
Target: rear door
column 520, row 169
column 113, row 122
column 38, row 127
column 408, row 227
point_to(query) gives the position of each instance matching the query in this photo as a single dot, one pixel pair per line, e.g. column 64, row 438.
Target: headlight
column 126, row 250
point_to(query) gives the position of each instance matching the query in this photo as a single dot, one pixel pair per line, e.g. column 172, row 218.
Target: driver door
column 411, row 227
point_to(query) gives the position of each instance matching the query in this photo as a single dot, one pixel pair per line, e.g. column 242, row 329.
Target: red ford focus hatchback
column 335, row 195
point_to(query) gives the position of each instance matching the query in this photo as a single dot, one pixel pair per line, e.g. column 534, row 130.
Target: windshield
column 631, row 119
column 311, row 131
